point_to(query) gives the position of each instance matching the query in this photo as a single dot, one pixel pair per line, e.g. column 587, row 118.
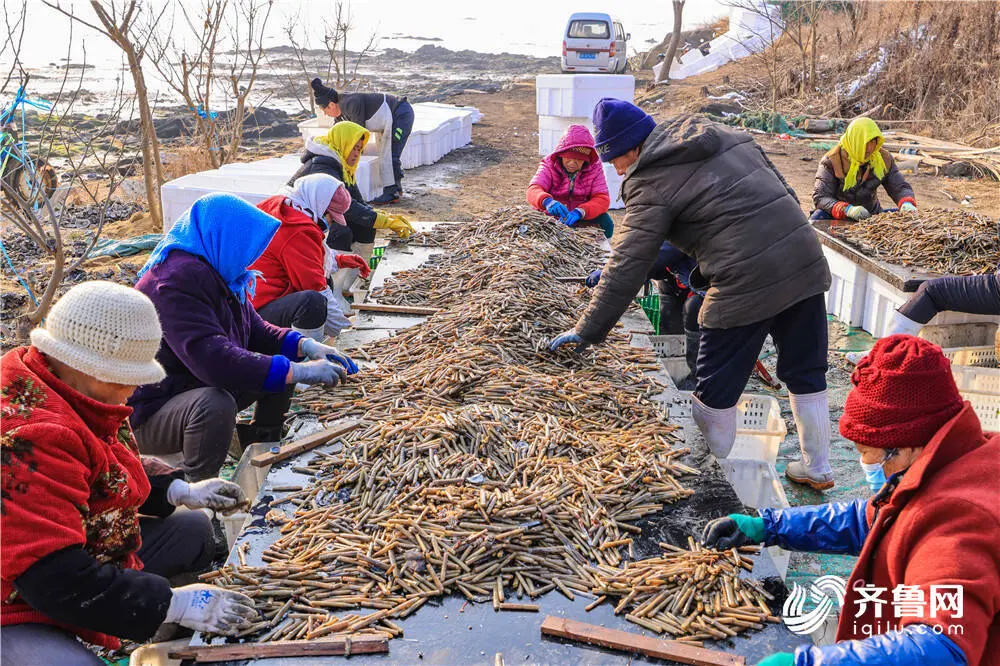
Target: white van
column 594, row 42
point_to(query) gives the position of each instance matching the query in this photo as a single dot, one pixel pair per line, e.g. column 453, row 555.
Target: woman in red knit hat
column 926, row 587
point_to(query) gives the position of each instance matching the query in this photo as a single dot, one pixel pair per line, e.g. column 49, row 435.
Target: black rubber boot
column 390, row 195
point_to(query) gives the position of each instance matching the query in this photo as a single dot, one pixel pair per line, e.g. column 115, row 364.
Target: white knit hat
column 105, row 330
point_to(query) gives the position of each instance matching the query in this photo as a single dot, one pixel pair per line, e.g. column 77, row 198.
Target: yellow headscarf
column 341, row 139
column 854, row 142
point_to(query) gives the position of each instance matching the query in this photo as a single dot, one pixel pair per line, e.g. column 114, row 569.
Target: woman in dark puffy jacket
column 849, row 175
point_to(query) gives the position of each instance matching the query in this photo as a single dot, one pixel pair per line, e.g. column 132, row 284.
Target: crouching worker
column 850, row 173
column 220, row 357
column 338, row 154
column 89, row 533
column 930, row 530
column 680, row 303
column 293, row 290
column 569, row 184
column 713, row 193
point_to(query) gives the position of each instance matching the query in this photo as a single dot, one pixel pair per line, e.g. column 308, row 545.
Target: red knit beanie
column 903, row 394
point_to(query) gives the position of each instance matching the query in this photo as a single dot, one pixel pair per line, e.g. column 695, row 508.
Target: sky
column 516, row 26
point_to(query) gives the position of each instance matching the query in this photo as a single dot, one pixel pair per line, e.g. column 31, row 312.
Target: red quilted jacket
column 71, row 476
column 293, row 260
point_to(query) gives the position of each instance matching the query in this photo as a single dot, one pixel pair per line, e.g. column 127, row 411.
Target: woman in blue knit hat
column 713, row 193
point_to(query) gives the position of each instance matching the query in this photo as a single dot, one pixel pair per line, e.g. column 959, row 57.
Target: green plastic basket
column 376, row 257
column 651, row 306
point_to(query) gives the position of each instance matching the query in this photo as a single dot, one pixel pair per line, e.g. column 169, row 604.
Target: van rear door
column 587, row 42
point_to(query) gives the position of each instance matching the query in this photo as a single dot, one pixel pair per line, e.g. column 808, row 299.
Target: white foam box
column 551, row 129
column 614, row 186
column 846, row 298
column 177, row 196
column 881, row 299
column 575, row 95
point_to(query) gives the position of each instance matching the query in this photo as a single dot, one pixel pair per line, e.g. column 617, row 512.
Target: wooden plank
column 307, row 443
column 394, row 309
column 629, row 642
column 338, row 645
column 572, row 278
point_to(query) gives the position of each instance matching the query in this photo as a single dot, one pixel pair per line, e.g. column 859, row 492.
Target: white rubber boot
column 717, row 426
column 338, row 284
column 900, row 324
column 606, row 244
column 316, row 334
column 812, row 419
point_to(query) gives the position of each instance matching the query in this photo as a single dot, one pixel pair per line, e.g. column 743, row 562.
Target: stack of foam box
column 438, row 129
column 569, row 99
column 251, row 181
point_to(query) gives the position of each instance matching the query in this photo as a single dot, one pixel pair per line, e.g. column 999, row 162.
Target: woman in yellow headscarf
column 338, row 153
column 850, row 173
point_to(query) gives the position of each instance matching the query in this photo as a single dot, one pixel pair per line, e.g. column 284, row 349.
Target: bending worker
column 90, row 536
column 337, row 154
column 849, row 174
column 972, row 294
column 293, row 292
column 570, row 185
column 680, row 303
column 220, row 357
column 711, row 192
column 391, row 116
column 926, row 586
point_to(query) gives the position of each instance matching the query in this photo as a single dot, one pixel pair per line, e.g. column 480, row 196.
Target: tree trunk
column 674, row 40
column 813, row 56
column 151, row 169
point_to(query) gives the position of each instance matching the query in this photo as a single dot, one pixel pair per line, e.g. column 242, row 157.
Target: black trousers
column 975, row 294
column 402, row 125
column 183, row 542
column 726, row 356
column 302, row 309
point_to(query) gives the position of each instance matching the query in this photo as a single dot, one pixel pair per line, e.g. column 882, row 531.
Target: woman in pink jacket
column 570, row 185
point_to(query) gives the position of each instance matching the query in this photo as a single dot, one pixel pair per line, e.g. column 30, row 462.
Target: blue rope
column 16, row 274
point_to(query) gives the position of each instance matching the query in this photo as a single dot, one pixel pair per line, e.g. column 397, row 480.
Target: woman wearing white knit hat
column 76, row 559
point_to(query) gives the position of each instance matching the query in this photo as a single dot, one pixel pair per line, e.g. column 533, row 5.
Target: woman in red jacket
column 926, row 586
column 293, row 292
column 90, row 536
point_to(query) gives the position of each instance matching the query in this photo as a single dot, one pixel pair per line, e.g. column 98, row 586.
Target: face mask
column 874, row 475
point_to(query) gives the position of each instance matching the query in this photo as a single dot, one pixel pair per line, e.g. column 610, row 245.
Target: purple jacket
column 209, row 337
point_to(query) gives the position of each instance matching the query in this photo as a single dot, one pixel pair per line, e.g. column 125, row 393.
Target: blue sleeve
column 914, row 645
column 290, row 346
column 671, row 260
column 276, row 374
column 839, row 527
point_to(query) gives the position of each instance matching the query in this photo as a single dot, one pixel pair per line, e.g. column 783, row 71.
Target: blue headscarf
column 225, row 231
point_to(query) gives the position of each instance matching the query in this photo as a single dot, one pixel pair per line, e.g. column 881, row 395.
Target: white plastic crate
column 758, row 486
column 760, row 430
column 551, row 129
column 575, row 95
column 984, row 356
column 846, row 298
column 987, row 408
column 977, row 380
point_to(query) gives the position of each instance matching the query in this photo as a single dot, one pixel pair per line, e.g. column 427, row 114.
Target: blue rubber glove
column 318, row 372
column 317, row 350
column 569, row 337
column 733, row 531
column 573, row 217
column 555, row 209
column 914, row 645
column 593, row 278
column 907, row 207
column 857, row 213
column 779, row 659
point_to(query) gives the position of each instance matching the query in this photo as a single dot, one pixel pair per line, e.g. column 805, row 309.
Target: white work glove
column 211, row 609
column 216, row 494
column 318, row 351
